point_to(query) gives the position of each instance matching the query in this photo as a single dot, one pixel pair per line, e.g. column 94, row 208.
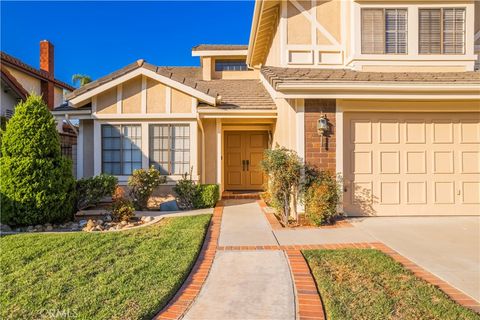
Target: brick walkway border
column 298, row 267
column 190, row 289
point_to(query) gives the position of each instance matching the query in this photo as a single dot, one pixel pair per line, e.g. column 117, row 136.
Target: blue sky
column 96, row 38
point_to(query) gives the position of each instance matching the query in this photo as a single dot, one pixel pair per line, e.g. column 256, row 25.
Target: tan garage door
column 412, row 163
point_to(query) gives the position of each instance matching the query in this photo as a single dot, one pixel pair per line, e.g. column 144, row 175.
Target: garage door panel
column 469, row 132
column 415, row 132
column 417, row 164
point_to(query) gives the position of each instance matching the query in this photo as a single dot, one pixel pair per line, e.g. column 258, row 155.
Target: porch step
column 255, row 195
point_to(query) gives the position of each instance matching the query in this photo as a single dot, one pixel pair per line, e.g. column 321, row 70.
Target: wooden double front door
column 243, row 154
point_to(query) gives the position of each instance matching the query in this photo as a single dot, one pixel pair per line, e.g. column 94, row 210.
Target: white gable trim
column 151, row 74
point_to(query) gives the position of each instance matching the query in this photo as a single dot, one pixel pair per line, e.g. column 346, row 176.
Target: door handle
column 248, row 164
column 243, row 165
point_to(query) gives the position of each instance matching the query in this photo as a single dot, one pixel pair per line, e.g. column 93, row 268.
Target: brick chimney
column 47, row 65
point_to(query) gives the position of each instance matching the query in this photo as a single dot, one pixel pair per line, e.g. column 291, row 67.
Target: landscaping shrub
column 283, row 168
column 90, row 191
column 142, row 183
column 122, row 208
column 190, row 195
column 186, row 192
column 37, row 184
column 207, row 196
column 321, row 196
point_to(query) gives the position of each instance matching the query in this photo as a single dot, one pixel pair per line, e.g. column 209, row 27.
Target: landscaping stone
column 82, row 223
column 5, row 228
column 147, row 219
column 49, row 228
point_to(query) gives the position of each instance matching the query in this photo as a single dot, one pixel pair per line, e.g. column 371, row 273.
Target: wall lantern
column 322, row 125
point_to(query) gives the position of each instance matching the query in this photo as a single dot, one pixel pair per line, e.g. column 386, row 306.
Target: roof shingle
column 276, row 75
column 205, row 47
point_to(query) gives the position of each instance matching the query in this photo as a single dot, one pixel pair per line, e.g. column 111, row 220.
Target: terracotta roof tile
column 16, row 63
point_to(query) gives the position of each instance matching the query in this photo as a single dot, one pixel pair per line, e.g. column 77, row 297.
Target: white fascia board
column 140, row 116
column 70, row 112
column 379, row 87
column 219, row 53
column 151, row 74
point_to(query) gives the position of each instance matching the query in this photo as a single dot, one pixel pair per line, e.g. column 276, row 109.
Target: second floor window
column 230, row 65
column 442, row 31
column 384, row 31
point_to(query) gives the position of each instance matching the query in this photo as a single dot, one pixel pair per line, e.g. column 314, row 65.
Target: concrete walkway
column 246, row 284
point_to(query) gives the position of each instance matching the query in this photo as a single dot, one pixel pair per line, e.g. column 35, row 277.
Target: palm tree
column 82, row 79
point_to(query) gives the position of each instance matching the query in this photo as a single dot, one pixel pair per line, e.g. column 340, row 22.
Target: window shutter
column 396, row 31
column 430, row 29
column 453, row 31
column 373, row 31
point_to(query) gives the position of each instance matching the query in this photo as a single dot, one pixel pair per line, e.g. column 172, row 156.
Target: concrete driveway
column 448, row 247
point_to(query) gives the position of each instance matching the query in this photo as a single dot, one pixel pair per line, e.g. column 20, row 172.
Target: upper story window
column 384, row 31
column 442, row 31
column 170, row 148
column 230, row 65
column 121, row 149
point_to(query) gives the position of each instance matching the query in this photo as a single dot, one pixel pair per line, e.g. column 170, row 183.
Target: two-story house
column 383, row 93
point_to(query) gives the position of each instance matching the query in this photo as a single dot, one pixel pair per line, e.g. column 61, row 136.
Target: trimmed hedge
column 37, row 184
column 207, row 196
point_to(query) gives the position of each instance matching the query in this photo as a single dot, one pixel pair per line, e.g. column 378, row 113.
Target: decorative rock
column 99, row 222
column 108, row 218
column 82, row 223
column 5, row 228
column 30, row 229
column 90, row 225
column 123, row 223
column 49, row 228
column 147, row 219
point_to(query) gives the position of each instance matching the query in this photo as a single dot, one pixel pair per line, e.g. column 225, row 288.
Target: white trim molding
column 217, row 53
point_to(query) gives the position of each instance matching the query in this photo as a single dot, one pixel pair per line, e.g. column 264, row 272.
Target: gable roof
column 11, row 82
column 16, row 63
column 228, row 94
column 277, row 75
column 182, row 76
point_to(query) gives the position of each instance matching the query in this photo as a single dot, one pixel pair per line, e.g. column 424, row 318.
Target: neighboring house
column 19, row 79
column 383, row 93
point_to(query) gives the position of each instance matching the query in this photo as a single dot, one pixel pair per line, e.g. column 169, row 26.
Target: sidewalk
column 246, row 284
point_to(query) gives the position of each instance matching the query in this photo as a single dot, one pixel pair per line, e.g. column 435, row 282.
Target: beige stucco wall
column 181, row 102
column 156, row 92
column 131, row 93
column 209, row 126
column 29, row 83
column 285, row 129
column 298, row 26
column 107, row 101
column 329, row 14
column 88, row 152
column 58, row 96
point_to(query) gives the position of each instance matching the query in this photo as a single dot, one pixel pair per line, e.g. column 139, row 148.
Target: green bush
column 321, row 196
column 207, row 196
column 186, row 192
column 122, row 208
column 90, row 191
column 190, row 195
column 37, row 184
column 283, row 168
column 142, row 183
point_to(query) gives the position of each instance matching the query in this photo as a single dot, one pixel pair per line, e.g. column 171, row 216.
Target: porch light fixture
column 322, row 125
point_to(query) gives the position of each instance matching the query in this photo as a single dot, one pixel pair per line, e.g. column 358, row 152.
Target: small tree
column 283, row 168
column 37, row 185
column 82, row 79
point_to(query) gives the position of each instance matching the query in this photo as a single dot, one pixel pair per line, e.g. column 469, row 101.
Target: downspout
column 67, row 119
column 200, row 125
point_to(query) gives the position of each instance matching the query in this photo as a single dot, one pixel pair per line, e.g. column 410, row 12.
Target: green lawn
column 119, row 275
column 367, row 284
